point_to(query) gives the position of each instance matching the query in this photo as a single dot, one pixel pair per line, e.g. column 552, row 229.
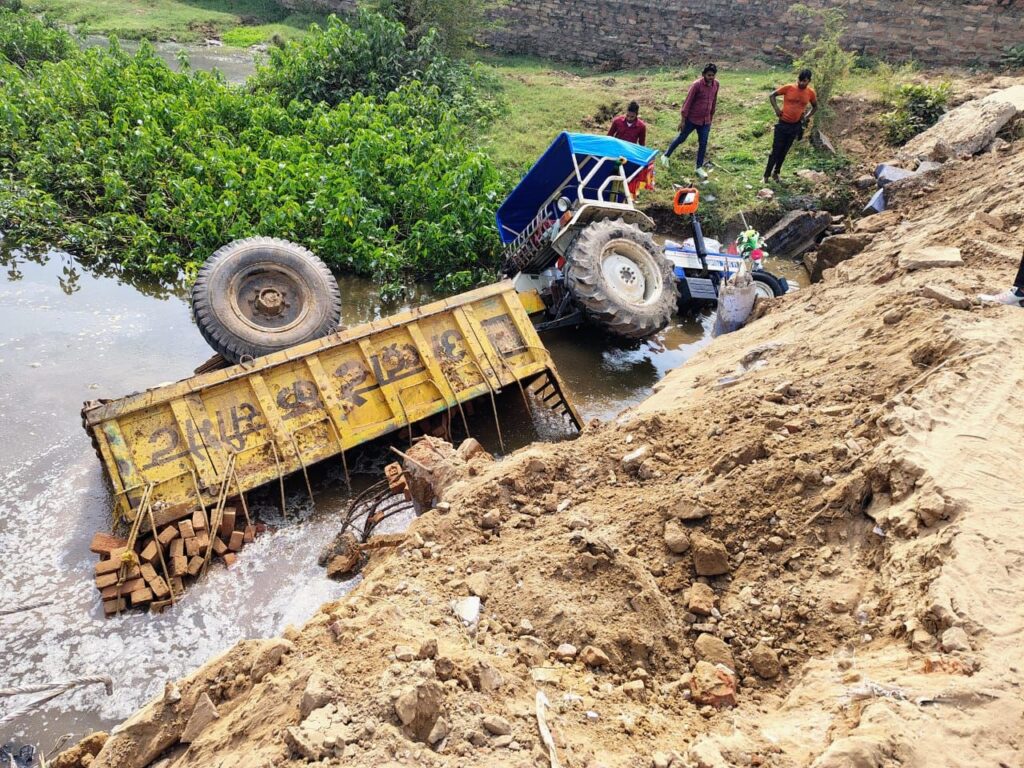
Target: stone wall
column 618, row 33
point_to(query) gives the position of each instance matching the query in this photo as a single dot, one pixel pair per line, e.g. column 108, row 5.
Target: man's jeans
column 703, row 131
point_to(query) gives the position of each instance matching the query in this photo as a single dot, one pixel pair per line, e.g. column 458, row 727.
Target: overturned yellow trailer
column 172, row 448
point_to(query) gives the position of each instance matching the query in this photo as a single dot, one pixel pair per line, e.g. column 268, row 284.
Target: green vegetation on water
column 242, row 22
column 114, row 156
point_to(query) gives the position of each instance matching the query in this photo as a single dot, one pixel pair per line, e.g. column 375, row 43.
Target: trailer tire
column 770, row 287
column 620, row 279
column 261, row 295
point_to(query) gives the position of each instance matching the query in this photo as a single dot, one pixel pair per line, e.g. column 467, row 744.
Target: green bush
column 1013, row 56
column 25, row 39
column 825, row 56
column 915, row 107
column 115, row 157
column 367, row 54
column 458, row 22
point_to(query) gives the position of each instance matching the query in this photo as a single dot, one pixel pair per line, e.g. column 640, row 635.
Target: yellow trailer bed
column 228, row 431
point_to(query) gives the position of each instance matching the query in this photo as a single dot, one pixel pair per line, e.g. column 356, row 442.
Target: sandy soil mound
column 802, row 550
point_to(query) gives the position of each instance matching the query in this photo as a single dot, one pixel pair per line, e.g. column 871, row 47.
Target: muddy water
column 236, row 65
column 68, row 335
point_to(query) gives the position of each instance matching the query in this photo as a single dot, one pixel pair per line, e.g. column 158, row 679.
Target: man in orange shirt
column 791, row 120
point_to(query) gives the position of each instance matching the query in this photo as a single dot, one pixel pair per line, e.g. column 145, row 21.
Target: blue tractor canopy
column 582, row 168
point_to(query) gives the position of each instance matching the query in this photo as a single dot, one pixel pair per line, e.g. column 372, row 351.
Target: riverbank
column 822, row 502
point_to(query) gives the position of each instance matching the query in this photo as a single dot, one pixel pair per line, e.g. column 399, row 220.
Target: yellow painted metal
column 286, row 411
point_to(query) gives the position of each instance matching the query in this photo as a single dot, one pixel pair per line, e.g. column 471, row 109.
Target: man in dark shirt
column 630, row 127
column 697, row 113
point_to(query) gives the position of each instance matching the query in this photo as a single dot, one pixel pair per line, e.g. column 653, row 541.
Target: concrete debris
column 468, row 610
column 796, row 232
column 962, row 132
column 886, row 174
column 947, row 296
column 930, row 257
column 203, row 713
column 876, row 204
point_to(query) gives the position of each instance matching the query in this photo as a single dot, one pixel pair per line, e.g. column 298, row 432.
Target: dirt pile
column 801, row 550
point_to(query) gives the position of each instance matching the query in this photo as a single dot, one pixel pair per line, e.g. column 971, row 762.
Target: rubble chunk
column 710, row 557
column 930, row 257
column 765, row 661
column 714, row 649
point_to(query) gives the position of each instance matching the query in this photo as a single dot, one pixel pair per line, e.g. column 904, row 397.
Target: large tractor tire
column 621, row 279
column 260, row 295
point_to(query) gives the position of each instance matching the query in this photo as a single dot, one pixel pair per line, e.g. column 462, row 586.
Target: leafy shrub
column 367, row 54
column 116, row 157
column 915, row 107
column 1013, row 56
column 458, row 22
column 25, row 39
column 825, row 56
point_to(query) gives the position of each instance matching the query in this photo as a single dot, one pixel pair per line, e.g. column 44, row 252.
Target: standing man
column 792, row 114
column 630, row 127
column 696, row 115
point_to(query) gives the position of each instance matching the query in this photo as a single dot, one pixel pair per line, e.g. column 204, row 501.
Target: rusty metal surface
column 283, row 412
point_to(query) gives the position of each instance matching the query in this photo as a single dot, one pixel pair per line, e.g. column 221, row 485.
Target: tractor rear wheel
column 621, row 280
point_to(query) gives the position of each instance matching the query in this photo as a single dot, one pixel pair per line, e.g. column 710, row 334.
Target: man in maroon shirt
column 697, row 113
column 630, row 127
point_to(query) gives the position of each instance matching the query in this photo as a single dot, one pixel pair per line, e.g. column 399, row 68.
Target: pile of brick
column 156, row 570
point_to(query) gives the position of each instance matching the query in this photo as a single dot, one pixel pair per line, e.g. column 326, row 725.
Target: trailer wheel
column 616, row 273
column 766, row 285
column 260, row 295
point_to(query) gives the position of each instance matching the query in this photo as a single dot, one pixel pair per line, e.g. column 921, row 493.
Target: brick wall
column 617, row 33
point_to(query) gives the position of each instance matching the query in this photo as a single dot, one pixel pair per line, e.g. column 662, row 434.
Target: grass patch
column 545, row 98
column 180, row 20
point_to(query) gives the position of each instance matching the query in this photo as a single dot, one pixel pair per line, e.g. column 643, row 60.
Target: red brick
column 108, row 566
column 167, row 535
column 110, row 607
column 192, row 547
column 178, row 586
column 187, row 531
column 105, row 580
column 151, row 552
column 148, row 572
column 105, row 543
column 219, row 547
column 227, row 522
column 141, row 596
column 178, row 565
column 177, row 548
column 230, row 558
column 236, row 541
column 250, row 534
column 195, row 565
column 159, row 587
column 199, row 520
column 204, row 540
